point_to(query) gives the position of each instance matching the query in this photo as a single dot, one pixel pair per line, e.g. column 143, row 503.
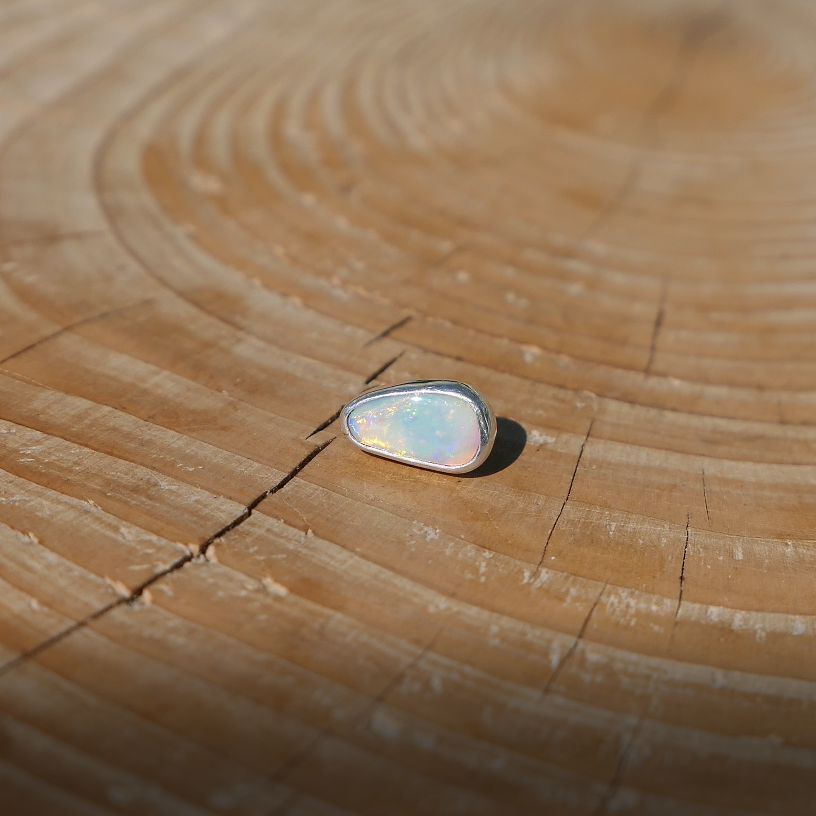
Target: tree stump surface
column 222, row 219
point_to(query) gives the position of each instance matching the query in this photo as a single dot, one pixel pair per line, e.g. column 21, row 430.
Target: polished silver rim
column 484, row 415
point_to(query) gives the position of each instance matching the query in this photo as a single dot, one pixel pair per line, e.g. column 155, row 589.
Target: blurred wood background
column 221, row 219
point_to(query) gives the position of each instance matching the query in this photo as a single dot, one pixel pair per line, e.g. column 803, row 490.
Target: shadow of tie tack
column 510, row 441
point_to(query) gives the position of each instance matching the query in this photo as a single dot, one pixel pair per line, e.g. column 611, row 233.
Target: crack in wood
column 658, row 324
column 299, row 757
column 136, row 593
column 325, row 424
column 578, row 638
column 683, row 567
column 382, row 369
column 705, row 497
column 85, row 321
column 682, row 581
column 569, row 493
column 620, row 770
column 662, row 102
column 386, row 332
column 658, row 107
column 178, row 564
column 55, row 238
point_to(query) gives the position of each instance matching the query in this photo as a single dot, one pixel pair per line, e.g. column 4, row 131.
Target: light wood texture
column 220, row 219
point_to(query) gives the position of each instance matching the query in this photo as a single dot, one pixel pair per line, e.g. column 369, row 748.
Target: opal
column 442, row 425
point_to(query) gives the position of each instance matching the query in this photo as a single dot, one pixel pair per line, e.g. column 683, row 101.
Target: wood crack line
column 301, row 756
column 657, row 108
column 55, row 238
column 72, row 326
column 579, row 637
column 682, row 581
column 658, row 325
column 620, row 770
column 178, row 564
column 181, row 562
column 683, row 567
column 569, row 493
column 382, row 369
column 386, row 332
column 705, row 496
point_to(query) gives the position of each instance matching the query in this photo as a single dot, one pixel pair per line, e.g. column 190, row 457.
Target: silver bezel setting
column 454, row 388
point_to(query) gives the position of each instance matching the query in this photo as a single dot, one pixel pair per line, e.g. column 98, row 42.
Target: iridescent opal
column 431, row 429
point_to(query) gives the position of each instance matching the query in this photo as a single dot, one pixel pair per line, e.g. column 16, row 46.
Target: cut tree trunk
column 221, row 220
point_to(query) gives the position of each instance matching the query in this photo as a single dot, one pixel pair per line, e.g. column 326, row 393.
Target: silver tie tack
column 442, row 425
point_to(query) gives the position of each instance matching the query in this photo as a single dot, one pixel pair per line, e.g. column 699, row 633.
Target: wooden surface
column 220, row 219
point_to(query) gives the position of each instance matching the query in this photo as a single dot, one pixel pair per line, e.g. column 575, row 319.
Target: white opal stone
column 442, row 425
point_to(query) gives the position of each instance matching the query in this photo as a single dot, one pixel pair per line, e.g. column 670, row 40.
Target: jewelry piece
column 440, row 425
